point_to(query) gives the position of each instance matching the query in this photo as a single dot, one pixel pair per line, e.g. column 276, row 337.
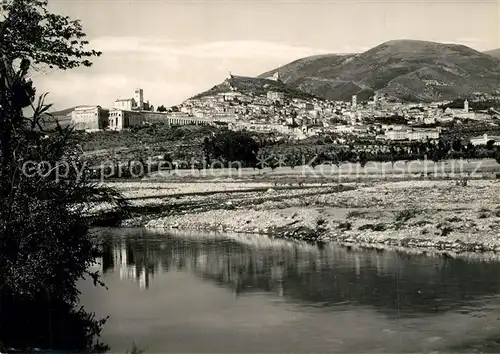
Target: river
column 208, row 293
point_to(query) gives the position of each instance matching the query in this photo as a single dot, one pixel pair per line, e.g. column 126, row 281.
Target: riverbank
column 444, row 215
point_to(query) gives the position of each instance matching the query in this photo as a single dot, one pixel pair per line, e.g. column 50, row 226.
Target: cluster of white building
column 484, row 139
column 401, row 132
column 127, row 113
column 275, row 112
column 299, row 118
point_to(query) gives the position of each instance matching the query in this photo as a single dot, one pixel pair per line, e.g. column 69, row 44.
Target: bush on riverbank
column 373, row 227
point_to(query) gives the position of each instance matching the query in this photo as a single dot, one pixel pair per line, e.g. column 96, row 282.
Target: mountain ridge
column 493, row 52
column 410, row 70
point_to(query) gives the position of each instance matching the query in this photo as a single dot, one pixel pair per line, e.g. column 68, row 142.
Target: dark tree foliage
column 45, row 245
column 336, row 154
column 490, row 144
column 457, row 145
column 231, row 147
column 497, row 155
column 31, row 32
column 161, row 108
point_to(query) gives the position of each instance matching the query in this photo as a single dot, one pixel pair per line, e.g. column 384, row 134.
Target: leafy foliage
column 31, row 32
column 45, row 245
column 230, row 147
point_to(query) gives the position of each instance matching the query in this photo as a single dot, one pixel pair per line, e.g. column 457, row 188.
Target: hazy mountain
column 64, row 112
column 253, row 86
column 404, row 69
column 62, row 116
column 494, row 53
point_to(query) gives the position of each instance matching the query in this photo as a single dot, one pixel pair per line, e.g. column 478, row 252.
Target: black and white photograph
column 249, row 176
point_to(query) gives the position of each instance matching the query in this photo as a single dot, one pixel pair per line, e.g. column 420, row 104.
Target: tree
column 457, row 145
column 44, row 240
column 490, row 144
column 273, row 162
column 497, row 156
column 31, row 32
column 161, row 108
column 231, row 146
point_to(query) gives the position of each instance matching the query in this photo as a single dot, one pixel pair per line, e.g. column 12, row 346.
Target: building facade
column 423, row 134
column 412, row 134
column 483, row 140
column 90, row 118
column 134, row 103
column 275, row 96
column 396, row 134
column 120, row 119
column 126, row 104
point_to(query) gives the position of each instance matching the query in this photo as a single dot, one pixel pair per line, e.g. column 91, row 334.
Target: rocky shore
column 443, row 216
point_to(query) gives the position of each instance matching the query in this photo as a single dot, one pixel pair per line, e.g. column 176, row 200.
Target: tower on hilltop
column 139, row 98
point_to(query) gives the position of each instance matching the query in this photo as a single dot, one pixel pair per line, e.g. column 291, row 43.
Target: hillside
column 62, row 116
column 404, row 69
column 253, row 87
column 494, row 53
column 64, row 112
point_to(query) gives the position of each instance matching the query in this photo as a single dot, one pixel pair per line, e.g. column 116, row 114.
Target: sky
column 174, row 49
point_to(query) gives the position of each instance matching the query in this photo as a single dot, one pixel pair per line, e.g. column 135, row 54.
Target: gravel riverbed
column 421, row 214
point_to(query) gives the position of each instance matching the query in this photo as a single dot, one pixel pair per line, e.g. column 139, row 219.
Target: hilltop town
column 273, row 109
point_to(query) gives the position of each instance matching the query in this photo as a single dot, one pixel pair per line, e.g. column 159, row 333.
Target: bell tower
column 139, row 98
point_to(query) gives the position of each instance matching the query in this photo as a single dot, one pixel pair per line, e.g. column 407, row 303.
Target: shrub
column 355, row 214
column 446, row 230
column 423, row 222
column 345, row 226
column 453, row 219
column 373, row 227
column 406, row 214
column 320, row 221
column 462, row 182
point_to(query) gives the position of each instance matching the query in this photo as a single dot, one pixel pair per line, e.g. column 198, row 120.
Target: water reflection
column 120, row 256
column 396, row 284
